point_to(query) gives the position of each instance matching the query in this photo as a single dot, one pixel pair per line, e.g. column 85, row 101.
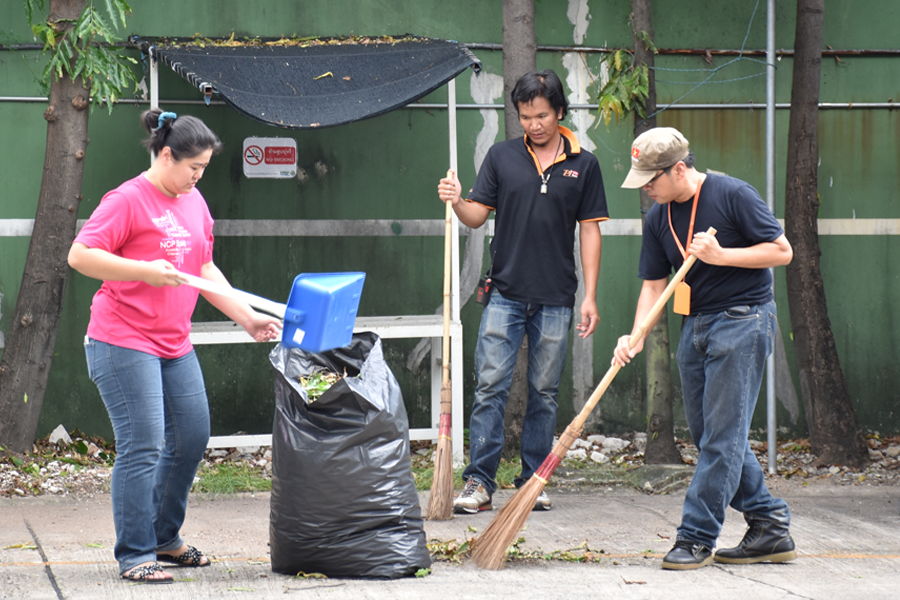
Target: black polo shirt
column 741, row 219
column 534, row 233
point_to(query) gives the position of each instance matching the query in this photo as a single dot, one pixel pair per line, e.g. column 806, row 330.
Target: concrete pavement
column 848, row 539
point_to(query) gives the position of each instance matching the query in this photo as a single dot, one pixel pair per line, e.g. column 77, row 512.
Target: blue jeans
column 721, row 358
column 160, row 417
column 503, row 324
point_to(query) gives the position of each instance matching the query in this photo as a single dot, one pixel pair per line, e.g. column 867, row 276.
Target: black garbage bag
column 344, row 500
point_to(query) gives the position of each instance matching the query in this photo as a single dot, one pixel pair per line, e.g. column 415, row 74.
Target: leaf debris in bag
column 318, row 383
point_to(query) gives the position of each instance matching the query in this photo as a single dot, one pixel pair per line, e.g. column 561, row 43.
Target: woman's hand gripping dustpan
column 320, row 311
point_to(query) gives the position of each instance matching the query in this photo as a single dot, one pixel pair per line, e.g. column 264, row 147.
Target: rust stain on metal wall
column 725, row 134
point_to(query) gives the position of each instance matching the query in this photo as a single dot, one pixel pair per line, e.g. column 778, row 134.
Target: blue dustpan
column 320, row 311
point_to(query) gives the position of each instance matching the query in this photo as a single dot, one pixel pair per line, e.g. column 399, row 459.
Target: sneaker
column 472, row 499
column 542, row 502
column 687, row 555
column 764, row 541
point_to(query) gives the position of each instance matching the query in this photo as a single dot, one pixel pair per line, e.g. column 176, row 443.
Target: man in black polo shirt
column 539, row 186
column 728, row 331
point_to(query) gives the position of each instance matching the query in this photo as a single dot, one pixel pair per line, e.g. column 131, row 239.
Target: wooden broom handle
column 642, row 330
column 448, row 235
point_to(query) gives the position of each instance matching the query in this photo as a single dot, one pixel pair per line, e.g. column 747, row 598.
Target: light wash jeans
column 503, row 324
column 721, row 358
column 160, row 417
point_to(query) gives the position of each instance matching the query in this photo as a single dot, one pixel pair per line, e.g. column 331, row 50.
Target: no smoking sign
column 253, row 155
column 274, row 158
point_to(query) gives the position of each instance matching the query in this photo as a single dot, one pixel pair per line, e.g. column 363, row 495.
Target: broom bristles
column 490, row 547
column 440, row 501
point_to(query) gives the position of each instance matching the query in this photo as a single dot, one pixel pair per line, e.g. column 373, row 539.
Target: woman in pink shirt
column 139, row 355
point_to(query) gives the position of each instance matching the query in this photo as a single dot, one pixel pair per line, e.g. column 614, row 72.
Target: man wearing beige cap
column 727, row 333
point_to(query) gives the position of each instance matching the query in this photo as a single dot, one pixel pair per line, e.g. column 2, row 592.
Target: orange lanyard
column 691, row 228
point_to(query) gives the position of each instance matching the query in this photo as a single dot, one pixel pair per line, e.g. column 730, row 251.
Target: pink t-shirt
column 137, row 221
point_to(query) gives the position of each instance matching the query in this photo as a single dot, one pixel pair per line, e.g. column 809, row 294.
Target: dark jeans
column 160, row 416
column 721, row 358
column 503, row 324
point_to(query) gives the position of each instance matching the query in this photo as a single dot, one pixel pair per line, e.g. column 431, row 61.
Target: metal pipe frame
column 771, row 420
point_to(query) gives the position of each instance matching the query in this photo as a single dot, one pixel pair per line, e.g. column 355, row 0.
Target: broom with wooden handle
column 440, row 502
column 489, row 549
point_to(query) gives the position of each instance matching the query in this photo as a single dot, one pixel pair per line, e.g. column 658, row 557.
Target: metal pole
column 456, row 350
column 891, row 106
column 771, row 421
column 154, row 78
column 454, row 284
column 154, row 85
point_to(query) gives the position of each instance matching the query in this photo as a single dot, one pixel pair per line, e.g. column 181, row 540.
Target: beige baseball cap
column 655, row 149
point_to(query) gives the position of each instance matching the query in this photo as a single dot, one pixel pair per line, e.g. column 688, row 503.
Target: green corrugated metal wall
column 387, row 168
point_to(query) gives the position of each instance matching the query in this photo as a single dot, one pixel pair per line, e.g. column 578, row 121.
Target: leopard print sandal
column 190, row 558
column 143, row 575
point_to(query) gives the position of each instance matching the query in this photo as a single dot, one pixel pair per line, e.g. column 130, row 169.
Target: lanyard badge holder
column 682, row 303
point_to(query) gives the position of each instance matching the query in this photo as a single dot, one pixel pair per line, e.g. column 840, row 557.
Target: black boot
column 764, row 541
column 687, row 555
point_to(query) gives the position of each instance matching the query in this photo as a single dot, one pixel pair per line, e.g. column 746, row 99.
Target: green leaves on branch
column 76, row 49
column 626, row 90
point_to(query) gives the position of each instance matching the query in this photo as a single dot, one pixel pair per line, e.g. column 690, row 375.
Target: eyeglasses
column 658, row 175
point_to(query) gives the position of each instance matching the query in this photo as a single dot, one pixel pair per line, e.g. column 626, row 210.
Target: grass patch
column 424, row 476
column 230, row 478
column 423, row 469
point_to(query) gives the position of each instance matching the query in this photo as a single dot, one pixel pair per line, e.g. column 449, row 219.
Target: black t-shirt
column 741, row 219
column 534, row 233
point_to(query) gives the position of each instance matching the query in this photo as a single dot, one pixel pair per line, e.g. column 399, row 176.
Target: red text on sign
column 280, row 155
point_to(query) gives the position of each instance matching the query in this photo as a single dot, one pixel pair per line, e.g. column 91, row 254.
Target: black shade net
column 319, row 85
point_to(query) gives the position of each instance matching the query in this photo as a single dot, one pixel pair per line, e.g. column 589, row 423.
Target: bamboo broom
column 489, row 549
column 440, row 501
